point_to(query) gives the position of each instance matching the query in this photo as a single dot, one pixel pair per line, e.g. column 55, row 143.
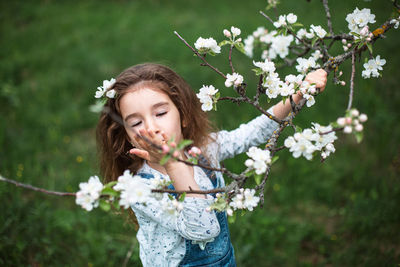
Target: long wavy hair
column 112, row 139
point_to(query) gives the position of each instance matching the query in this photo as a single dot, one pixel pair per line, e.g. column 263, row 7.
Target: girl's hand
column 146, row 149
column 319, row 77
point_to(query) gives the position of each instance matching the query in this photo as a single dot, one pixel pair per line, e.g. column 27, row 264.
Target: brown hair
column 112, row 139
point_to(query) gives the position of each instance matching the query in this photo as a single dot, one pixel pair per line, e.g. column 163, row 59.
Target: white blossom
column 281, row 21
column 134, row 189
column 372, row 67
column 359, row 19
column 259, row 159
column 89, row 193
column 305, row 65
column 235, row 31
column 280, row 46
column 104, row 89
column 266, row 66
column 233, row 79
column 205, row 45
column 291, row 18
column 318, row 30
column 206, row 97
column 246, row 199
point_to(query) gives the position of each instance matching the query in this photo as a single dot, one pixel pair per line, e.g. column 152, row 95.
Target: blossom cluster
column 277, row 44
column 233, row 79
column 207, row 45
column 285, row 20
column 89, row 193
column 317, row 138
column 208, row 96
column 372, row 67
column 259, row 159
column 309, row 91
column 133, row 189
column 352, row 121
column 128, row 190
column 233, row 33
column 306, row 64
column 245, row 199
column 358, row 19
column 105, row 89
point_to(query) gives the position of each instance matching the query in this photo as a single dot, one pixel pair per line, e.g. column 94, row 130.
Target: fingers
column 319, row 78
column 140, row 153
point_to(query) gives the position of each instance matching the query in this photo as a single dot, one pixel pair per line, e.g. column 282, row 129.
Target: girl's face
column 151, row 109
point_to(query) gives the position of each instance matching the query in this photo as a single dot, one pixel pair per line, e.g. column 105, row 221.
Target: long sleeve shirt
column 161, row 234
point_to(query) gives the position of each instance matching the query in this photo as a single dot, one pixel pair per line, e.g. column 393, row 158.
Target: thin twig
column 328, row 16
column 353, row 71
column 34, row 188
column 230, row 59
column 200, row 56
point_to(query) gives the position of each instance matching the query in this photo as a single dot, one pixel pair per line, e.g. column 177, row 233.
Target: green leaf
column 258, row 178
column 240, row 47
column 274, row 158
column 184, row 143
column 217, row 95
column 369, row 47
column 297, row 24
column 104, row 205
column 258, row 71
column 360, row 45
column 359, row 136
column 182, row 197
column 314, row 41
column 224, row 42
column 298, row 129
column 165, row 159
column 110, row 184
column 109, row 192
column 171, row 197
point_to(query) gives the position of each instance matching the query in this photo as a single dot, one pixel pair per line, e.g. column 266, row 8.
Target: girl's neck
column 157, row 167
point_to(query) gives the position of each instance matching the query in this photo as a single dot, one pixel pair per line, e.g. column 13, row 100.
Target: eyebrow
column 159, row 104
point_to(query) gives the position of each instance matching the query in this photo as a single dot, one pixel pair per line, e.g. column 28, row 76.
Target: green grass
column 344, row 212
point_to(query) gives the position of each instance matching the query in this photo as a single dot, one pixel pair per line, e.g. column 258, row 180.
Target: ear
column 184, row 123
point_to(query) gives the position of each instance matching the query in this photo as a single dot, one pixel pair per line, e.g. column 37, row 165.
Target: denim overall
column 218, row 253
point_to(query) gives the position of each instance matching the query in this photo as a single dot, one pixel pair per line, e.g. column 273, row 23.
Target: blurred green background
column 343, row 212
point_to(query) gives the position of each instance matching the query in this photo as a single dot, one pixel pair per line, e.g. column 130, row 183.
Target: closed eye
column 136, row 124
column 161, row 114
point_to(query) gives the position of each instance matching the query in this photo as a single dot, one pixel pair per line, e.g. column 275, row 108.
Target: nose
column 152, row 126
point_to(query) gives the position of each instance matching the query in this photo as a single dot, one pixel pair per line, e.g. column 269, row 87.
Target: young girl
column 156, row 103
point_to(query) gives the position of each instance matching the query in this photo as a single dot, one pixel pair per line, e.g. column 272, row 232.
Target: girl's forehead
column 137, row 99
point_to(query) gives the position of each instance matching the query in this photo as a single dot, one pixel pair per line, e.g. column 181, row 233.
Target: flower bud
column 342, row 83
column 175, row 154
column 364, row 31
column 312, row 90
column 173, row 144
column 348, row 120
column 363, row 117
column 348, row 45
column 344, row 41
column 165, row 149
column 368, row 39
column 227, row 33
column 355, row 113
column 229, row 211
column 341, row 121
column 347, row 129
column 340, row 73
column 345, row 48
column 359, row 127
